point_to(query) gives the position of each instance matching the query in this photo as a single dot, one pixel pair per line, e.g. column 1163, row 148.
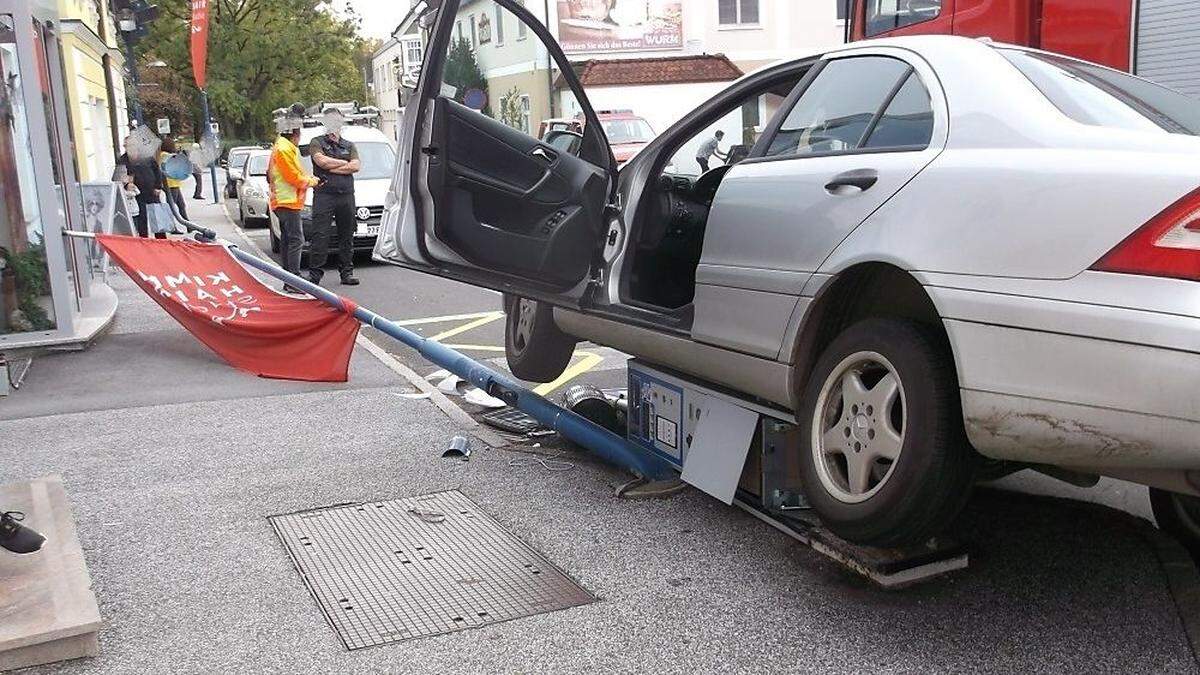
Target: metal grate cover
column 408, row 568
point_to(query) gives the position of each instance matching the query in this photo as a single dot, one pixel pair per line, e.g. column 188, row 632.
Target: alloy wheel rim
column 858, row 427
column 526, row 310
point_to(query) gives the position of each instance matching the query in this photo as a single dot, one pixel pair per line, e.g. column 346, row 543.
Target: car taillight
column 1167, row 246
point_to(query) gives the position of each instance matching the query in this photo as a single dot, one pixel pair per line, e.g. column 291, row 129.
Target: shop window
column 25, row 299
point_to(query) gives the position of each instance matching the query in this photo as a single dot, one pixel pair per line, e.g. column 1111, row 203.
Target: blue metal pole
column 600, row 441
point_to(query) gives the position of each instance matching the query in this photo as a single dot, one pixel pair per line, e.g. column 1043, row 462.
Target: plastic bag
column 160, row 220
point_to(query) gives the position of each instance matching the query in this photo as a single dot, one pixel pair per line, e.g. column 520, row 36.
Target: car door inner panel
column 505, row 201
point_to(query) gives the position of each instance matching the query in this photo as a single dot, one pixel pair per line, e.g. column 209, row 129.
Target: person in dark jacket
column 146, row 175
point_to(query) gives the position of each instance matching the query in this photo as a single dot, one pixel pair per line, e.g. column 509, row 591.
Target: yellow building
column 95, row 80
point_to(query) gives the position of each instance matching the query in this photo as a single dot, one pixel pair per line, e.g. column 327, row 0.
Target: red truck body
column 1102, row 31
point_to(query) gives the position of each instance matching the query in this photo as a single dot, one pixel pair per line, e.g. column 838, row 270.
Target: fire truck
column 1155, row 39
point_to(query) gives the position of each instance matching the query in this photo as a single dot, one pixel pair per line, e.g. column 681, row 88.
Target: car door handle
column 543, row 153
column 862, row 179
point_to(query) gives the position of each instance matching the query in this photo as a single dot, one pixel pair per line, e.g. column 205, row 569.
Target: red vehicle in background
column 1155, row 39
column 626, row 132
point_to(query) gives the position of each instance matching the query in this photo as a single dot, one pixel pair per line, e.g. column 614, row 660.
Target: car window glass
column 837, row 107
column 1099, row 96
column 740, row 128
column 907, row 122
column 257, row 165
column 238, row 159
column 627, row 131
column 506, row 80
column 885, row 15
column 377, row 160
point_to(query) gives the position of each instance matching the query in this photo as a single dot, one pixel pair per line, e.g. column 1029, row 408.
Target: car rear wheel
column 886, row 462
column 1179, row 516
column 537, row 350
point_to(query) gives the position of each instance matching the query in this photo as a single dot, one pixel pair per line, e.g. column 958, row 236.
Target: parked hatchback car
column 234, row 161
column 940, row 280
column 253, row 197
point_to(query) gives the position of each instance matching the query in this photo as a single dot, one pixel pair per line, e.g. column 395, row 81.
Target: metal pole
column 212, row 168
column 597, row 439
column 133, row 75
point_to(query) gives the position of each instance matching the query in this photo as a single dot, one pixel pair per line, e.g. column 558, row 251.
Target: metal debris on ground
column 513, row 421
column 593, row 404
column 460, row 448
column 382, row 574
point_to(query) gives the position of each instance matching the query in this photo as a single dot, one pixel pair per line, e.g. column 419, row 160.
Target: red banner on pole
column 251, row 326
column 199, row 41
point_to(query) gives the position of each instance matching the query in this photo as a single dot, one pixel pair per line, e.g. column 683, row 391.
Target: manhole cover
column 407, row 568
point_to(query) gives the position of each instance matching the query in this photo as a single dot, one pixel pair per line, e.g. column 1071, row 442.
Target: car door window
column 907, row 122
column 840, row 106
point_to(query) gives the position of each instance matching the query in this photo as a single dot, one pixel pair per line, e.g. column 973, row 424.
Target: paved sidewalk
column 174, row 461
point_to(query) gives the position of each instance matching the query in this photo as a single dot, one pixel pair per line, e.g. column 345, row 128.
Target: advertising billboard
column 619, row 25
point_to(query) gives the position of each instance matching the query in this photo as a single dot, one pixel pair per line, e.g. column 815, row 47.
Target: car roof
column 350, row 132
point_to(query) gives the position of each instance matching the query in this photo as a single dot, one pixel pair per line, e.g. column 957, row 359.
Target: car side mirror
column 564, row 141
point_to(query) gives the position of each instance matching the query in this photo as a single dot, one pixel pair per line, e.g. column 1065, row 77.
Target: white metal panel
column 1167, row 49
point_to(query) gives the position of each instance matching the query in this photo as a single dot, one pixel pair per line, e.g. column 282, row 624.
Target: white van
column 378, row 156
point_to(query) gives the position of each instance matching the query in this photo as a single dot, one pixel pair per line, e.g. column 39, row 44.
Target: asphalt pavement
column 174, row 463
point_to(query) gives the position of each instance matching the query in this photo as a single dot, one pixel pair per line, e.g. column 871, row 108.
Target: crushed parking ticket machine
column 744, row 454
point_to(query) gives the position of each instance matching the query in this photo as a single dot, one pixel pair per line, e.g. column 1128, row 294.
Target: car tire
column 885, row 460
column 276, row 245
column 1179, row 516
column 536, row 349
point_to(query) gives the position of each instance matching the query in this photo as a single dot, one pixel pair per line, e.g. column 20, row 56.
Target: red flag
column 251, row 326
column 199, row 41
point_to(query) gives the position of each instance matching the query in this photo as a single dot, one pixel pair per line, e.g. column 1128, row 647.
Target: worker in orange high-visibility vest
column 288, row 183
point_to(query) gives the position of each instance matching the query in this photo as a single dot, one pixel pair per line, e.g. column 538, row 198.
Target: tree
column 510, row 110
column 163, row 93
column 463, row 73
column 262, row 55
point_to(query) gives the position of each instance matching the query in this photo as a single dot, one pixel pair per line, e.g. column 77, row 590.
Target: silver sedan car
column 252, row 192
column 948, row 259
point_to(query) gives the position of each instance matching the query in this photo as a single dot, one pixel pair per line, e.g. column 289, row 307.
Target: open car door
column 477, row 197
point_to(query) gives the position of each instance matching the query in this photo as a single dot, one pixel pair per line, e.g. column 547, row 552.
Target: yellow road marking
column 449, row 317
column 475, row 348
column 585, row 364
column 482, row 321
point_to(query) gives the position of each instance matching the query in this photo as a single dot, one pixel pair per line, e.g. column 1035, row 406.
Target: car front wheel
column 537, row 350
column 1179, row 516
column 886, row 461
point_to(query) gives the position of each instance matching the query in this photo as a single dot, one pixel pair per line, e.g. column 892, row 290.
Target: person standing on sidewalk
column 288, row 185
column 174, row 187
column 197, row 170
column 147, row 177
column 335, row 161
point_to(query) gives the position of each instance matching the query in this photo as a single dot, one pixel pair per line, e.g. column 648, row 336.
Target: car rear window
column 1100, row 96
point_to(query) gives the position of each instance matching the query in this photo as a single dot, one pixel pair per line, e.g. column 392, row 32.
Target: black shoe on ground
column 292, row 290
column 314, row 276
column 16, row 537
column 348, row 279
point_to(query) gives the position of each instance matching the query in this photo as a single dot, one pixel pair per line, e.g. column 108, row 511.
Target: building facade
column 395, row 67
column 95, row 79
column 524, row 86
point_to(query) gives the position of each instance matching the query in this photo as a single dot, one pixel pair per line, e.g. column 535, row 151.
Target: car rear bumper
column 1076, row 384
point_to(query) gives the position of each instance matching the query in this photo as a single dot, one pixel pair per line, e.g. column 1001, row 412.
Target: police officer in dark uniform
column 335, row 161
